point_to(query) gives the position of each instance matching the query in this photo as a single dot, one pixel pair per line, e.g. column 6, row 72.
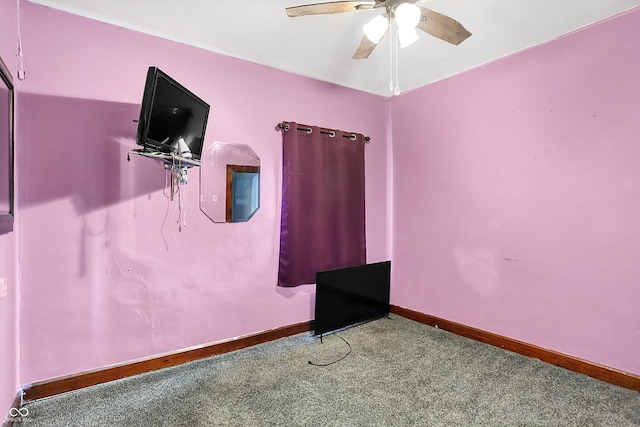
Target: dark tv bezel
column 354, row 308
column 148, row 102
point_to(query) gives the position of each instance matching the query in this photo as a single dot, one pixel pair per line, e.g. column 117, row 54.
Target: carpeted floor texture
column 399, row 373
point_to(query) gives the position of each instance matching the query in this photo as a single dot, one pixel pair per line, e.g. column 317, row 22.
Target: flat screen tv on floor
column 351, row 295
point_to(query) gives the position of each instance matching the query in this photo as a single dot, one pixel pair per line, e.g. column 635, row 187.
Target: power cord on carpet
column 335, row 361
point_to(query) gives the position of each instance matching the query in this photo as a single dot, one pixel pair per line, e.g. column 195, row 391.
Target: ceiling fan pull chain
column 391, row 58
column 396, row 89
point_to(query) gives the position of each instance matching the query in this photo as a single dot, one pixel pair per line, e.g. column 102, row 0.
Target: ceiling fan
column 407, row 15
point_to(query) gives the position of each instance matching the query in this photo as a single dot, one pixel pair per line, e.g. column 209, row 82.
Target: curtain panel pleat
column 323, row 204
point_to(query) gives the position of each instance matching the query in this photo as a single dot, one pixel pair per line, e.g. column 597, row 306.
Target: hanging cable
column 166, row 189
column 179, row 193
column 166, row 215
column 184, row 207
column 20, row 55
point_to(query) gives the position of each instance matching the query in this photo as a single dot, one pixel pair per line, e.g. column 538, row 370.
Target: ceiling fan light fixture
column 407, row 15
column 407, row 36
column 376, row 28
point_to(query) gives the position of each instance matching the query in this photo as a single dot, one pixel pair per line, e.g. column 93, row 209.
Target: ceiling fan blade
column 329, row 7
column 365, row 48
column 442, row 27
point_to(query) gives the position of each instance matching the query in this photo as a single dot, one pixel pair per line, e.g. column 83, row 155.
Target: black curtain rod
column 332, row 133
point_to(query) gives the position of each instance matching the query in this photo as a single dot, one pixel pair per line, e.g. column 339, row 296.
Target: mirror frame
column 6, row 219
column 229, row 195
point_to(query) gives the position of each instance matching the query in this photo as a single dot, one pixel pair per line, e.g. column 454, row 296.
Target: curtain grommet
column 332, row 134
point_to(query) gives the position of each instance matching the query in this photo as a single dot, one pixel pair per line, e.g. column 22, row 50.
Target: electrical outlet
column 3, row 287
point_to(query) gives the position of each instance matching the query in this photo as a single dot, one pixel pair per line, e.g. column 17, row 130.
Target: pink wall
column 514, row 206
column 108, row 274
column 517, row 196
column 9, row 305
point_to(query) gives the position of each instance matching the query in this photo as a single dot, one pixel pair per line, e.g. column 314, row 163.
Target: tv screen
column 352, row 295
column 170, row 112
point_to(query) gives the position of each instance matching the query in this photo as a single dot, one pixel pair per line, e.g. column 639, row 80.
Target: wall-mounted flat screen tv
column 351, row 295
column 170, row 112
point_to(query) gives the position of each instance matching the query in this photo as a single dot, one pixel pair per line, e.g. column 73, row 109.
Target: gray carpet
column 400, row 373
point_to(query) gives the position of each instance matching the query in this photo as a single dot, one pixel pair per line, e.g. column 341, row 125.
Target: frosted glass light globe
column 407, row 15
column 376, row 28
column 407, row 36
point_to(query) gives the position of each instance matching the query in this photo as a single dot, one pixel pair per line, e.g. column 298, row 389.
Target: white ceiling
column 321, row 46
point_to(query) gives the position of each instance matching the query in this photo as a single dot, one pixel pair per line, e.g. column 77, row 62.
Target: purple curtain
column 323, row 216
